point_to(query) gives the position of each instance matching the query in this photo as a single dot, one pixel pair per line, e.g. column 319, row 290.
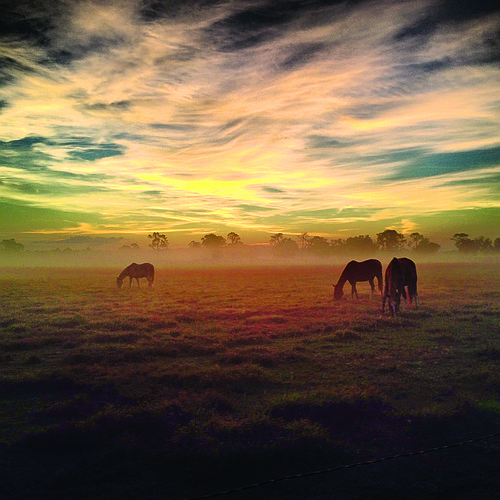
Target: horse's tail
column 379, row 276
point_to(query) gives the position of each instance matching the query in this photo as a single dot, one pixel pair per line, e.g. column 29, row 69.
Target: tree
column 11, row 246
column 194, row 244
column 286, row 248
column 422, row 244
column 463, row 243
column 319, row 246
column 160, row 241
column 483, row 245
column 213, row 241
column 304, row 241
column 390, row 240
column 276, row 239
column 234, row 238
column 360, row 245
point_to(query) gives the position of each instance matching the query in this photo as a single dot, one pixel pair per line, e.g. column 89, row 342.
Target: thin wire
column 349, row 466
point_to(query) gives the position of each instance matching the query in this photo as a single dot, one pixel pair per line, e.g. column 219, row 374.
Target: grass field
column 218, row 378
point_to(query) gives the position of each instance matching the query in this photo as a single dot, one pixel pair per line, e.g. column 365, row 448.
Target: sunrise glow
column 120, row 118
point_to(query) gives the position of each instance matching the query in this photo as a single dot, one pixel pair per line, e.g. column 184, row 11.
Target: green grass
column 235, row 367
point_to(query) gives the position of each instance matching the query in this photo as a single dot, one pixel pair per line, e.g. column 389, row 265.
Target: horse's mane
column 126, row 271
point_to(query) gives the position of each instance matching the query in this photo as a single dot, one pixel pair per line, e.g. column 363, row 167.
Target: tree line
column 304, row 244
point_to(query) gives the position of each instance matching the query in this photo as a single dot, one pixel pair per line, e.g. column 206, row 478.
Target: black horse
column 359, row 271
column 136, row 271
column 410, row 278
column 400, row 273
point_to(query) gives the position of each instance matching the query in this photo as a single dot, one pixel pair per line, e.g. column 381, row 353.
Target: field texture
column 219, row 378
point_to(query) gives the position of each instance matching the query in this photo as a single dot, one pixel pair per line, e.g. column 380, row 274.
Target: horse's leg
column 353, row 290
column 372, row 285
column 403, row 293
column 138, row 284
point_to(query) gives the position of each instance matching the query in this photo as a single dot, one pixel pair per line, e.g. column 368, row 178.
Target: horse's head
column 394, row 301
column 119, row 282
column 338, row 292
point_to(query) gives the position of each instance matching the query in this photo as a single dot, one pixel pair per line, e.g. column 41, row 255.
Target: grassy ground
column 222, row 377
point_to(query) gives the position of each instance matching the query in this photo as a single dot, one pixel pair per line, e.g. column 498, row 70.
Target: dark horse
column 137, row 271
column 410, row 278
column 359, row 271
column 400, row 273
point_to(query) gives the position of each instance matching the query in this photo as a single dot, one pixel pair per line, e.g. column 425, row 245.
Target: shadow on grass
column 173, row 453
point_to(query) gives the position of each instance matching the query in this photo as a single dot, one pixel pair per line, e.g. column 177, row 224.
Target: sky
column 336, row 118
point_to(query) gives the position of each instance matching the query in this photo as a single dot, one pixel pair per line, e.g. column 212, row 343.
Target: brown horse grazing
column 394, row 286
column 359, row 271
column 137, row 271
column 410, row 278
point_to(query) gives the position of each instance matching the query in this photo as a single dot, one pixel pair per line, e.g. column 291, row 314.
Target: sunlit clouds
column 333, row 118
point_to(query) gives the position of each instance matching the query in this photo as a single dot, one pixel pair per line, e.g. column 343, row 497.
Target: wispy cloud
column 270, row 116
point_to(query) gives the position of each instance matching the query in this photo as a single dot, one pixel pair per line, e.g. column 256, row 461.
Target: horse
column 137, row 271
column 359, row 271
column 394, row 286
column 410, row 278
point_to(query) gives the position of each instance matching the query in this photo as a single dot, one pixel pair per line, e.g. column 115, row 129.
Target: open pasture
column 220, row 377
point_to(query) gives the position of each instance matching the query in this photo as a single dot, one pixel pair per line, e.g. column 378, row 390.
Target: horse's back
column 147, row 269
column 365, row 270
column 409, row 270
column 394, row 270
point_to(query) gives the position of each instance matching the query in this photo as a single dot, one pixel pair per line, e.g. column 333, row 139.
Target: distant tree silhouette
column 422, row 244
column 478, row 245
column 361, row 245
column 319, row 246
column 234, row 238
column 283, row 246
column 160, row 241
column 483, row 245
column 132, row 246
column 463, row 243
column 304, row 240
column 11, row 246
column 194, row 244
column 276, row 239
column 213, row 241
column 390, row 240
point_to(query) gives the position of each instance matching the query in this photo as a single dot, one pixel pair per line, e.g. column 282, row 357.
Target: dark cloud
column 490, row 181
column 23, row 154
column 445, row 163
column 176, row 127
column 254, row 208
column 273, row 190
column 445, row 12
column 98, row 153
column 118, row 105
column 301, row 54
column 252, row 25
column 317, row 141
column 30, row 20
column 11, row 69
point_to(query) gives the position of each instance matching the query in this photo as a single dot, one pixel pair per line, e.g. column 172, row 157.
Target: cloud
column 448, row 163
column 200, row 112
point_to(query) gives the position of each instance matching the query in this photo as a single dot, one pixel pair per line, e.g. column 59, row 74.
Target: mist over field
column 227, row 375
column 246, row 256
